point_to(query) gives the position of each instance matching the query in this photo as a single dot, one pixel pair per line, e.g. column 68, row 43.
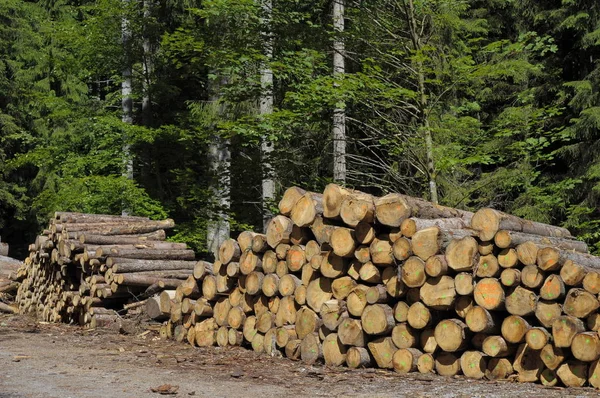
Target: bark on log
column 505, row 239
column 489, row 221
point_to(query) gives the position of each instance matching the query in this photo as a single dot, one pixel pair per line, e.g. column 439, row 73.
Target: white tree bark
column 148, row 67
column 339, row 113
column 126, row 98
column 219, row 157
column 416, row 34
column 266, row 108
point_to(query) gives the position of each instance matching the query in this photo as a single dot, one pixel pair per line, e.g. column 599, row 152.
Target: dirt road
column 44, row 361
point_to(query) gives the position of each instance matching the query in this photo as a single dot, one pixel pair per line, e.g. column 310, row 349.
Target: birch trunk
column 219, row 157
column 339, row 113
column 266, row 108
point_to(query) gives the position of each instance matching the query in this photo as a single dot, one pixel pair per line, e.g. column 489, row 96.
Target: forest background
column 206, row 110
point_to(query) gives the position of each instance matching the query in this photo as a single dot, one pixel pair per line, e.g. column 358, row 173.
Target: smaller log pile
column 88, row 268
column 400, row 283
column 8, row 283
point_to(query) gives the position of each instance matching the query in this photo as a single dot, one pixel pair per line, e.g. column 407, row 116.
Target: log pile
column 8, row 283
column 89, row 268
column 396, row 282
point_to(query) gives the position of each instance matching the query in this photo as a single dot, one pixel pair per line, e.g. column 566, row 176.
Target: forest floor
column 49, row 360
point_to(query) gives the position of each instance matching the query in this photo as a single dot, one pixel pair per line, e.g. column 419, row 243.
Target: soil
column 56, row 360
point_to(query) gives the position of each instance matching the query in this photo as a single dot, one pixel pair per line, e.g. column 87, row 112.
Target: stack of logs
column 8, row 283
column 397, row 282
column 88, row 268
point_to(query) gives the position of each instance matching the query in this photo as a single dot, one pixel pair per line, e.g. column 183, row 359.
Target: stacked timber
column 8, row 283
column 396, row 282
column 88, row 268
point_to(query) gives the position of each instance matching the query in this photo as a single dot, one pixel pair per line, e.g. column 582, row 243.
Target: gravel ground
column 46, row 360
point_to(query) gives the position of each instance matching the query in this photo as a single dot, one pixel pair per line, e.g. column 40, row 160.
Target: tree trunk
column 339, row 112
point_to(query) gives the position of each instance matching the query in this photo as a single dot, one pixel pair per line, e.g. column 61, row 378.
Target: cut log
column 350, row 332
column 411, row 225
column 404, row 336
column 413, row 272
column 139, row 265
column 473, row 364
column 154, row 254
column 317, row 292
column 552, row 356
column 333, row 266
column 462, row 254
column 289, row 199
column 527, row 253
column 333, row 196
column 322, row 230
column 447, row 364
column 480, row 320
column 489, row 221
column 295, row 258
column 254, row 282
column 229, row 251
column 401, row 311
column 270, row 285
column 580, row 303
column 364, row 233
column 488, row 266
column 537, row 338
column 394, row 208
column 311, row 349
column 358, row 357
column 357, row 207
column 553, row 288
column 521, row 301
column 332, row 312
column 427, row 341
column 259, row 243
column 497, row 347
column 572, row 273
column 573, row 373
column 381, row 252
column 505, row 239
column 279, row 231
column 451, row 335
column 419, row 316
column 564, row 330
column 464, row 283
column 334, row 352
column 508, row 258
column 250, row 262
column 528, row 364
column 362, row 254
column 377, row 319
column 489, row 294
column 438, row 293
column 498, row 369
column 426, row 242
column 307, row 208
column 594, row 374
column 586, row 346
column 341, row 287
column 377, row 294
column 547, row 312
column 426, row 363
column 382, row 350
column 436, row 265
column 514, row 328
column 401, row 250
column 249, row 329
column 405, row 360
column 591, row 282
column 343, row 242
column 307, row 322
